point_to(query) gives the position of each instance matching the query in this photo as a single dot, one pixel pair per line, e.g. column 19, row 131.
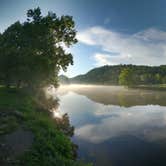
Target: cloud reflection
column 95, row 122
column 145, row 122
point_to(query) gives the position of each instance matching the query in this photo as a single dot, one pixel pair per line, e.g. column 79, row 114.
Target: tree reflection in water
column 48, row 101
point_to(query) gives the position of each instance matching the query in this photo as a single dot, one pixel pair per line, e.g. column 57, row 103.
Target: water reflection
column 48, row 101
column 117, row 95
column 145, row 122
column 126, row 130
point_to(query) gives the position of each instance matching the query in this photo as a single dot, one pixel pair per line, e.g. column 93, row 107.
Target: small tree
column 126, row 77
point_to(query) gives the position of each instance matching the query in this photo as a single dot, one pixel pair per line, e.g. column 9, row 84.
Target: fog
column 116, row 95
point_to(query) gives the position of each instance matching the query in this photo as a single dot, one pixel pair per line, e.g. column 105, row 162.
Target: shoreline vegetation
column 30, row 136
column 31, row 56
column 127, row 75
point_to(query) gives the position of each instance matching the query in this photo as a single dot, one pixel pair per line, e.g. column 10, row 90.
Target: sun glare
column 56, row 114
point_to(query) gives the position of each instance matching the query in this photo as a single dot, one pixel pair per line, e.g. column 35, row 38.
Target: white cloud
column 102, row 59
column 106, row 59
column 147, row 47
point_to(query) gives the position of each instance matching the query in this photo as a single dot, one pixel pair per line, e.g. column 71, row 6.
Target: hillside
column 110, row 75
column 63, row 79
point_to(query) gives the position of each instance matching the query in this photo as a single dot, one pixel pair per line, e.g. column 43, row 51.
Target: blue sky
column 109, row 31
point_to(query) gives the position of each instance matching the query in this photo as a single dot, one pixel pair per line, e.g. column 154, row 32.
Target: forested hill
column 111, row 75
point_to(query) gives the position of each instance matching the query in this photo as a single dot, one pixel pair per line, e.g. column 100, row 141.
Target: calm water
column 115, row 126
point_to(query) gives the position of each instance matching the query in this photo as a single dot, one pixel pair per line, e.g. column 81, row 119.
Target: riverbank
column 30, row 136
column 160, row 87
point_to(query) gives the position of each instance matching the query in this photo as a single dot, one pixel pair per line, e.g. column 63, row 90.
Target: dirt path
column 14, row 140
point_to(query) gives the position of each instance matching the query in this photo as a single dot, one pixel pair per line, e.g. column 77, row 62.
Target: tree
column 10, row 53
column 126, row 77
column 33, row 52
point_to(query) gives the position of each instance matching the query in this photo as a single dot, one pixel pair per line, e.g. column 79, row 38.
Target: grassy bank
column 49, row 147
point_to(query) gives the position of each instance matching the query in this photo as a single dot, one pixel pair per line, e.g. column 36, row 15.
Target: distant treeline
column 122, row 74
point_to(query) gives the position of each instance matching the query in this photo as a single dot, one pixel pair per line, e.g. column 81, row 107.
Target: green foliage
column 51, row 145
column 110, row 75
column 7, row 123
column 126, row 77
column 32, row 53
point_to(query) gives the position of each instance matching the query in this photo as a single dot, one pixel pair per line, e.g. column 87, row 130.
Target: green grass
column 51, row 147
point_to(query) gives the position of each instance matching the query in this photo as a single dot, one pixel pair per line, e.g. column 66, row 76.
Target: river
column 116, row 126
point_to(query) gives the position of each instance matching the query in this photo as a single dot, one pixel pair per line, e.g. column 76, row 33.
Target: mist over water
column 116, row 95
column 115, row 125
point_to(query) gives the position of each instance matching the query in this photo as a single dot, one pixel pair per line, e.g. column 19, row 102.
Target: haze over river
column 116, row 126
